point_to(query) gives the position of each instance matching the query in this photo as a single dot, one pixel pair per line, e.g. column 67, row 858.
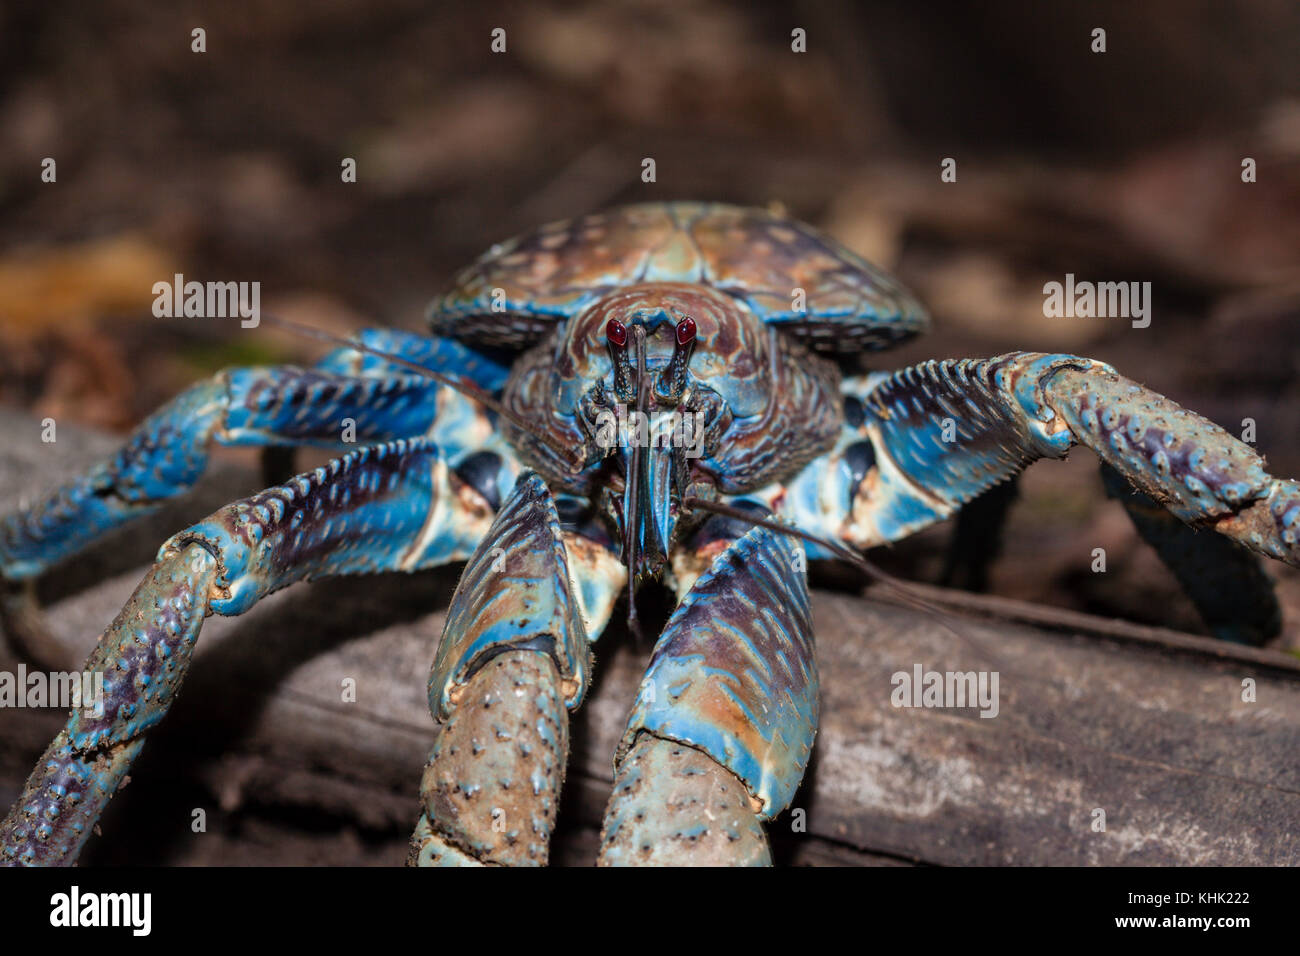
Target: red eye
column 616, row 332
column 685, row 330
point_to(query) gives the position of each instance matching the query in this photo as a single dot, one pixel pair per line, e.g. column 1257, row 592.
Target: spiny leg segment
column 920, row 443
column 383, row 508
column 266, row 406
column 143, row 656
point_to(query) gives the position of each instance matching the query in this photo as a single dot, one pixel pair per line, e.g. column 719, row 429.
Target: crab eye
column 616, row 332
column 685, row 330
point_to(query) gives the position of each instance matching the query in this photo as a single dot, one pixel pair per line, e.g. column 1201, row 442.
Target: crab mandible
column 593, row 389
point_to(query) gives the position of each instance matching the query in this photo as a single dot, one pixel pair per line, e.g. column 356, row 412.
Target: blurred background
column 1121, row 166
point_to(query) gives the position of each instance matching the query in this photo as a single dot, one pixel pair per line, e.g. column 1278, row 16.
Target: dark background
column 1122, row 166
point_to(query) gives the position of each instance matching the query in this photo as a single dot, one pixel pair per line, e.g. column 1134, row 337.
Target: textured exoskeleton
column 654, row 391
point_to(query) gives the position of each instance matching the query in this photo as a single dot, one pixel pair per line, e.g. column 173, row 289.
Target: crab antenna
column 468, row 389
column 868, row 568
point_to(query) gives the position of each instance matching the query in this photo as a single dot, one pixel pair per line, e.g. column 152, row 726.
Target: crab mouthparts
column 648, row 505
column 649, row 510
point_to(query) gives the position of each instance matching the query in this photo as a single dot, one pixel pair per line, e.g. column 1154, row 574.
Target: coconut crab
column 649, row 392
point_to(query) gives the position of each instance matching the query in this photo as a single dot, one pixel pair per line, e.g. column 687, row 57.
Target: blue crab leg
column 142, row 655
column 382, row 508
column 274, row 408
column 920, row 443
column 483, row 369
column 723, row 725
column 512, row 662
column 245, row 406
column 1201, row 474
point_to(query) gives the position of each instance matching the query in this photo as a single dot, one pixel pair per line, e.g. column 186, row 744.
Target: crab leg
column 382, row 508
column 266, row 406
column 513, row 660
column 920, row 443
column 723, row 726
column 1200, row 473
column 143, row 656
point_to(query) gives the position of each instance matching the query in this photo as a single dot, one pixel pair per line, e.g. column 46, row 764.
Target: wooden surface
column 1148, row 726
